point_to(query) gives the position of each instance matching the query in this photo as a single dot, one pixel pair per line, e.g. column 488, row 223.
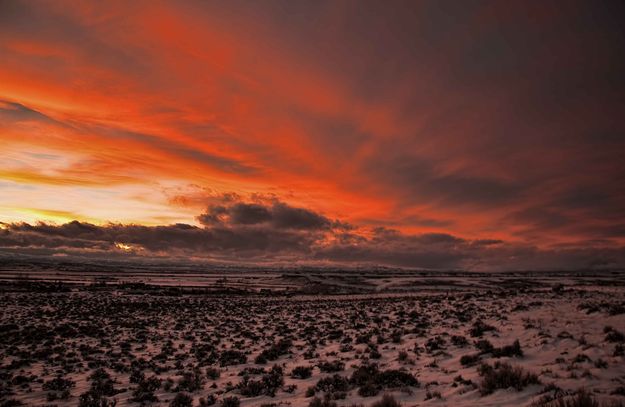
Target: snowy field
column 454, row 340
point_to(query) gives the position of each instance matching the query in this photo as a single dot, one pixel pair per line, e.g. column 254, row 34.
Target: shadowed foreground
column 100, row 345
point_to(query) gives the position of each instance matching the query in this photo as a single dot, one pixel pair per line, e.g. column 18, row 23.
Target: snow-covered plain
column 426, row 341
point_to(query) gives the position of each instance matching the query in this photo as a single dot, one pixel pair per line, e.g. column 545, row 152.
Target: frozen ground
column 426, row 340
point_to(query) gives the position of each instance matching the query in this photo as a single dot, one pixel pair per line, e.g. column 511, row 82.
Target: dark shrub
column 213, row 373
column 469, row 360
column 479, row 327
column 369, row 389
column 333, row 384
column 58, row 388
column 364, row 374
column 432, row 395
column 182, row 400
column 435, row 343
column 251, row 388
column 276, row 350
column 402, row 356
column 208, row 401
column 301, row 372
column 509, row 350
column 249, row 371
column 459, row 341
column 371, row 380
column 331, row 367
column 191, row 381
column 58, row 384
column 89, row 400
column 601, row 364
column 144, row 393
column 484, row 346
column 102, row 384
column 581, row 358
column 503, row 376
column 613, row 335
column 582, row 399
column 232, row 357
column 232, row 401
column 396, row 378
column 136, row 376
column 317, row 402
column 268, row 385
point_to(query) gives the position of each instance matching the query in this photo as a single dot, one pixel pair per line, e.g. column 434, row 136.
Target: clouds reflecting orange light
column 490, row 121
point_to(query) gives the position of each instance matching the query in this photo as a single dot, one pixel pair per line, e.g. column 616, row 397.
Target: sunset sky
column 479, row 135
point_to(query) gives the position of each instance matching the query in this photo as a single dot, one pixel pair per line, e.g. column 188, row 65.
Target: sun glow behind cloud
column 124, row 247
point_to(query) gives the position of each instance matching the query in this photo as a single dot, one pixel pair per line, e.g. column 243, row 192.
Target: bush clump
column 182, row 400
column 276, row 350
column 267, row 385
column 326, row 402
column 371, row 381
column 333, row 384
column 331, row 367
column 208, row 400
column 232, row 357
column 213, row 373
column 301, row 372
column 144, row 393
column 469, row 360
column 231, row 401
column 479, row 327
column 58, row 388
column 582, row 398
column 191, row 381
column 612, row 335
column 102, row 386
column 504, row 376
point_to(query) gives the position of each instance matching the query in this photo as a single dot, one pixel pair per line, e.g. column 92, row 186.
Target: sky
column 477, row 135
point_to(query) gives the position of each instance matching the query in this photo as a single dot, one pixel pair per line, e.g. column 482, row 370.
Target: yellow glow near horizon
column 51, row 215
column 123, row 246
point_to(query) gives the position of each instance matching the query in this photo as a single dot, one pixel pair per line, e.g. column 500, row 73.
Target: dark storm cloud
column 232, row 229
column 249, row 213
column 209, row 242
column 274, row 232
column 277, row 215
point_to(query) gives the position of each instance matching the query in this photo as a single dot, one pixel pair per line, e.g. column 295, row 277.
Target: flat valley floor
column 474, row 343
